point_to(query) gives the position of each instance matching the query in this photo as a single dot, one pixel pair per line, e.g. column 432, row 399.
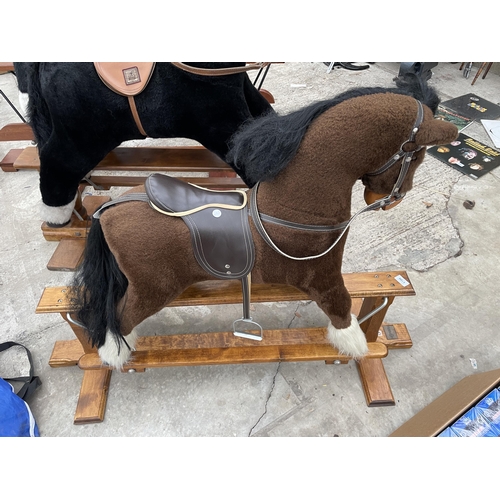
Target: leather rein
column 395, row 195
column 220, row 71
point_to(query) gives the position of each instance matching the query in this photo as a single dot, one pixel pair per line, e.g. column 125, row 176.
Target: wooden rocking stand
column 370, row 292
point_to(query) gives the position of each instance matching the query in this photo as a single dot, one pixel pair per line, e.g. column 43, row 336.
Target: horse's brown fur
column 344, row 143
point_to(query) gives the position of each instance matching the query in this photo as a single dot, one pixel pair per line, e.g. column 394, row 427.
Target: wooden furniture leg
column 91, row 404
column 479, row 71
column 371, row 371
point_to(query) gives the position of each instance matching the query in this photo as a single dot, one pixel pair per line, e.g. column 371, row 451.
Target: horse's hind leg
column 135, row 307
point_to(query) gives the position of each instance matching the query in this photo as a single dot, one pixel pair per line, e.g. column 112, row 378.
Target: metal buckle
column 239, row 329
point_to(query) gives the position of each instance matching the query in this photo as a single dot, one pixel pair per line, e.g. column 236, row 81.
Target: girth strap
column 125, row 197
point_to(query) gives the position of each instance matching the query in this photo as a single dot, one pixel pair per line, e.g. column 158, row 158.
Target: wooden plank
column 92, row 203
column 16, row 132
column 54, row 299
column 173, row 159
column 7, row 164
column 375, row 383
column 68, row 255
column 76, row 229
column 213, row 182
column 395, row 336
column 93, row 396
column 159, row 358
column 66, row 353
column 28, row 159
column 223, row 340
column 379, row 284
column 5, row 67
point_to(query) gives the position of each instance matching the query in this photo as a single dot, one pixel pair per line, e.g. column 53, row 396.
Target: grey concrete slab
column 450, row 253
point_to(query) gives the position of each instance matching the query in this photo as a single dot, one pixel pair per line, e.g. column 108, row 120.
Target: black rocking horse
column 77, row 120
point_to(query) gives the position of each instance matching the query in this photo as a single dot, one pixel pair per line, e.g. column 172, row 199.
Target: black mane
column 264, row 146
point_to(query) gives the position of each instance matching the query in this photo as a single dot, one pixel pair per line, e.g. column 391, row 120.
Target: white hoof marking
column 350, row 341
column 109, row 351
column 57, row 215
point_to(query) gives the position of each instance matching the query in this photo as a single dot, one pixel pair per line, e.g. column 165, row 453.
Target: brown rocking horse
column 140, row 256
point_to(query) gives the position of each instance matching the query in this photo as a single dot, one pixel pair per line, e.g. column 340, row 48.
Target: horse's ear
column 436, row 132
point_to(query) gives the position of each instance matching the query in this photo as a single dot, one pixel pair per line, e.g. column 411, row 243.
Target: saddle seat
column 217, row 221
column 125, row 78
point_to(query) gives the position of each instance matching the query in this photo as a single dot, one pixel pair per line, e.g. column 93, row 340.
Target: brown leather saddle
column 217, row 220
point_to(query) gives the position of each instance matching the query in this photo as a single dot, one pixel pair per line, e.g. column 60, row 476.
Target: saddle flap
column 125, row 78
column 217, row 221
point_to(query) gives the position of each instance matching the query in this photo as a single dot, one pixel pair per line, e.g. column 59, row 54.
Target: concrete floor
column 450, row 253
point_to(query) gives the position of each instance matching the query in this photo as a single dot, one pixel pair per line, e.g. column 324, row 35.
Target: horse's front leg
column 344, row 332
column 64, row 162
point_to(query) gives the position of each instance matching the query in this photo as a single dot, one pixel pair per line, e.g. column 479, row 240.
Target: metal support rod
column 91, row 183
column 12, row 106
column 375, row 311
column 266, row 69
column 74, row 321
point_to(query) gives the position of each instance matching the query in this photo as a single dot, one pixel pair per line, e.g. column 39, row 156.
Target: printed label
column 401, row 280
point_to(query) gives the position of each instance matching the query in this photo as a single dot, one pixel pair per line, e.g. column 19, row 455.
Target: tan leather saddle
column 128, row 79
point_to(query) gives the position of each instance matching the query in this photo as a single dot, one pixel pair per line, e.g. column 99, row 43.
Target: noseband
column 395, row 195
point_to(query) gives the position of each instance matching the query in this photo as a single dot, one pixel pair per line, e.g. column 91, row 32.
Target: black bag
column 16, row 419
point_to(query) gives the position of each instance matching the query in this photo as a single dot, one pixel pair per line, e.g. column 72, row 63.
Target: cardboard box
column 450, row 406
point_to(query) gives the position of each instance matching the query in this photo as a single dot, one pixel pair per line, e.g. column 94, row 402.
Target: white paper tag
column 401, row 280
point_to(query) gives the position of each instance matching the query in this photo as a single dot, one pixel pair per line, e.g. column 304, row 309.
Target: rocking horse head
column 360, row 127
column 304, row 166
column 409, row 156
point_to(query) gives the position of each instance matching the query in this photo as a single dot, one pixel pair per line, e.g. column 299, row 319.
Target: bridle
column 395, row 195
column 407, row 156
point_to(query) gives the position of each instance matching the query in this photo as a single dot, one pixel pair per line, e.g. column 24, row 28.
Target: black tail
column 28, row 76
column 97, row 287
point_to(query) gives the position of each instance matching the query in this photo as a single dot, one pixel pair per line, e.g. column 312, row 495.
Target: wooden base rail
column 368, row 291
column 168, row 158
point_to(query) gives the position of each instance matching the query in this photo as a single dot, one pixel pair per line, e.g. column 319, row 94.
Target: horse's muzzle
column 371, row 197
